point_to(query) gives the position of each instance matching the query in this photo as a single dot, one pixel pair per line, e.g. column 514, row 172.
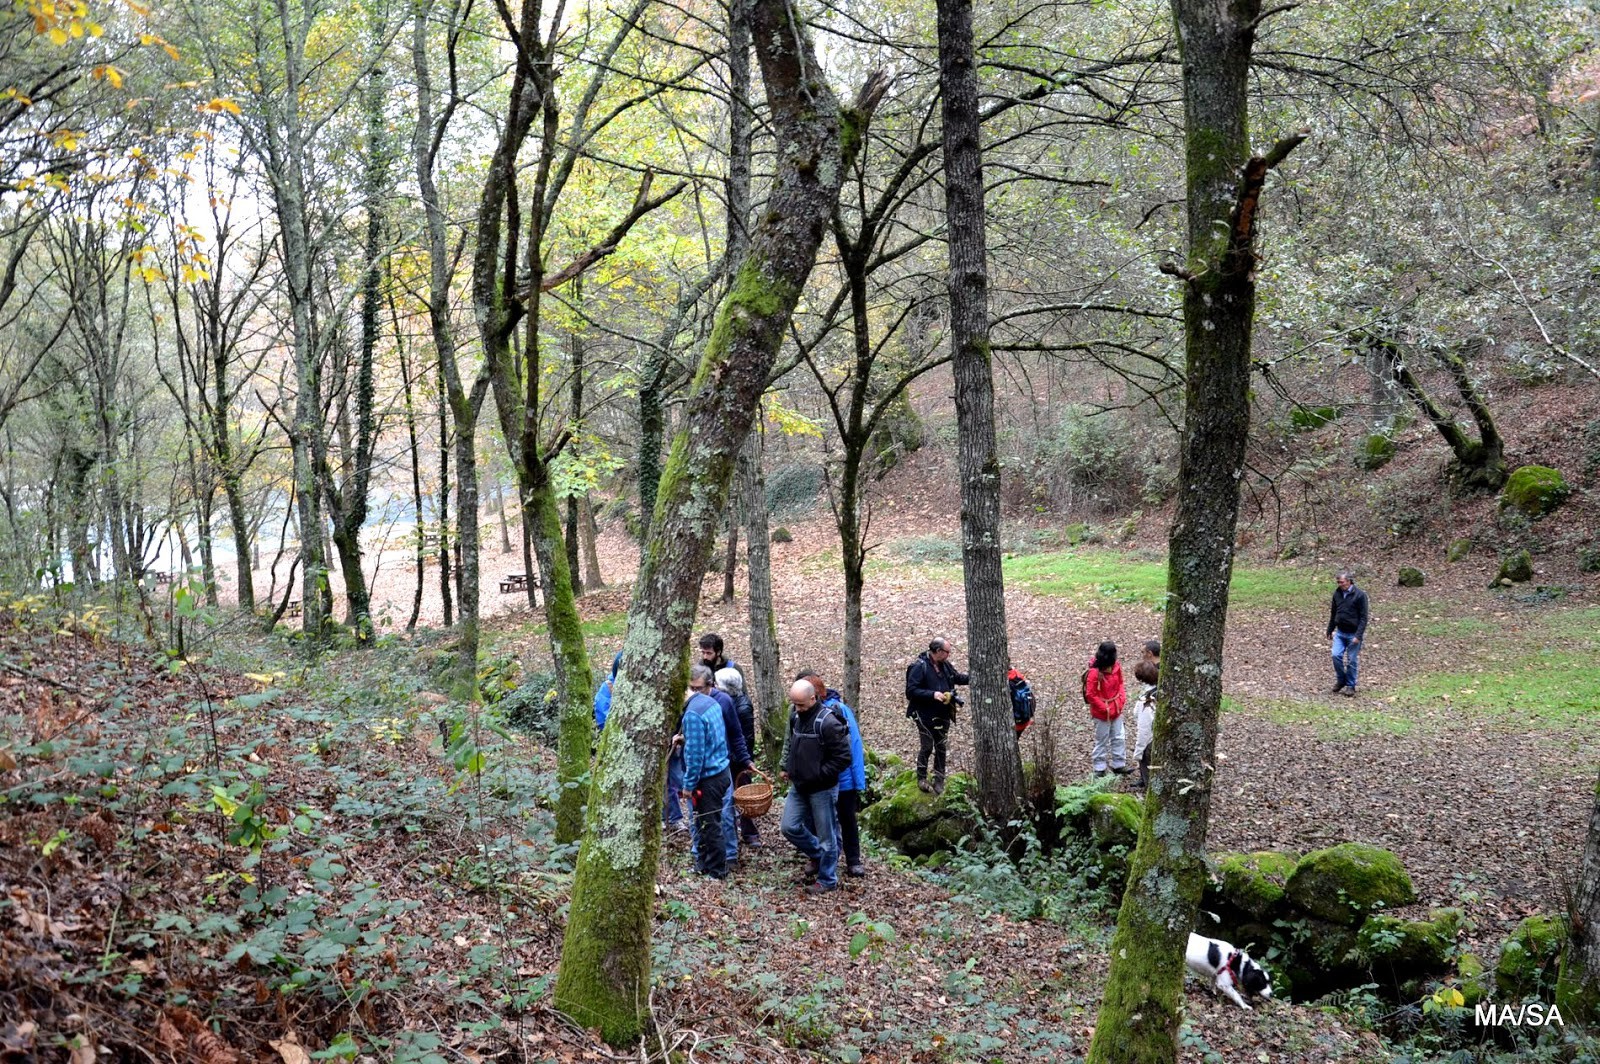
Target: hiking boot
column 1349, row 692
column 1336, row 689
column 938, row 785
column 822, row 888
column 1121, row 770
column 856, row 870
column 923, row 785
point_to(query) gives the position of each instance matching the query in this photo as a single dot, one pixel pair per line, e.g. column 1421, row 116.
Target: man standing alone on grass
column 1347, row 627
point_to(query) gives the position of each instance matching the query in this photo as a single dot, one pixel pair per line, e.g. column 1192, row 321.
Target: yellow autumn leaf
column 94, row 29
column 172, row 53
column 58, row 36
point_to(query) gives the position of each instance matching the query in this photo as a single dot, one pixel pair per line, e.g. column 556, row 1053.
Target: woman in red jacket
column 1103, row 690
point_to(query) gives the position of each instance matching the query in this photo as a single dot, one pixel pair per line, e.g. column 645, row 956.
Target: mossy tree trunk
column 604, row 978
column 763, row 681
column 998, row 761
column 1480, row 464
column 1578, row 988
column 1141, row 1011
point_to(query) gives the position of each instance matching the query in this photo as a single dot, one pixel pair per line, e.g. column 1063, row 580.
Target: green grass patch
column 1546, row 685
column 1341, row 721
column 1085, row 574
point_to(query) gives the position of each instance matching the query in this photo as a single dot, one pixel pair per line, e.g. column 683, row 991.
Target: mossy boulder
column 1410, row 576
column 1252, row 883
column 1305, row 418
column 1472, row 978
column 1458, row 549
column 1529, row 958
column 1113, row 821
column 1076, row 533
column 782, row 535
column 917, row 823
column 1407, row 948
column 1535, row 490
column 1344, row 883
column 1377, row 450
column 1516, row 568
column 882, row 769
column 1318, row 956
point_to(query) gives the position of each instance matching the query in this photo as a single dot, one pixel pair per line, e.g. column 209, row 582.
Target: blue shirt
column 853, row 778
column 705, row 740
column 602, row 704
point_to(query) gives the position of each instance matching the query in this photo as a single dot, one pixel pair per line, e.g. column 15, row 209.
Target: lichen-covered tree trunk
column 763, row 680
column 568, row 653
column 1141, row 1010
column 1578, row 987
column 604, row 978
column 853, row 559
column 592, row 576
column 998, row 762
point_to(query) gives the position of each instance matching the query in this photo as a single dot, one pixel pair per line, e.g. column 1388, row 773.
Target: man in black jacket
column 1347, row 627
column 931, row 701
column 816, row 750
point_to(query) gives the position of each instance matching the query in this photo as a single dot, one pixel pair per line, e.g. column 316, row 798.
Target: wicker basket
column 754, row 798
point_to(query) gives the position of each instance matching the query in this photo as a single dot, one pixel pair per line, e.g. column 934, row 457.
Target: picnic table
column 293, row 609
column 514, row 582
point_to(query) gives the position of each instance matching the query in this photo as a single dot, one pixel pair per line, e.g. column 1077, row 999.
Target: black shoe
column 1121, row 770
column 1349, row 692
column 856, row 870
column 924, row 786
column 938, row 785
column 1336, row 688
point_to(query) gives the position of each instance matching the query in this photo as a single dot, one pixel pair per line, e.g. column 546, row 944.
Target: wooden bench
column 514, row 582
column 293, row 609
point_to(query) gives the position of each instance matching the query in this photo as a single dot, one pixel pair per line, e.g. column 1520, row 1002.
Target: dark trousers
column 849, row 827
column 1144, row 769
column 933, row 726
column 711, row 855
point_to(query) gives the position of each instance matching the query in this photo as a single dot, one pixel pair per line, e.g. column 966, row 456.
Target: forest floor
column 255, row 857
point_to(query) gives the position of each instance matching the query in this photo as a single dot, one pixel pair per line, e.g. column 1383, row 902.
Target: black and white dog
column 1228, row 970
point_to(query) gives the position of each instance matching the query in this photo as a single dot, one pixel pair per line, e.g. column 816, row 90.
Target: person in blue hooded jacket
column 852, row 781
column 602, row 697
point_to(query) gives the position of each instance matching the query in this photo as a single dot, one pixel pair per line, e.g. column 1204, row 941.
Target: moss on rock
column 1459, row 549
column 1535, row 490
column 1411, row 576
column 918, row 823
column 1253, row 883
column 1515, row 568
column 1410, row 947
column 1344, row 883
column 1472, row 978
column 1527, row 963
column 1377, row 450
column 1305, row 418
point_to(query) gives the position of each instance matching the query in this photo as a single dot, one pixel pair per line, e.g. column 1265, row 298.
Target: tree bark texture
column 763, row 681
column 998, row 762
column 465, row 405
column 592, row 577
column 1578, row 986
column 604, row 978
column 1480, row 464
column 1141, row 1011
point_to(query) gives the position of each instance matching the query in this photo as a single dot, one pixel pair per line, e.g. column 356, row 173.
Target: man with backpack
column 931, row 701
column 816, row 750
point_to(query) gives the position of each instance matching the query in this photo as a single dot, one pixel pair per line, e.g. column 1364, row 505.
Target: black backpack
column 1022, row 700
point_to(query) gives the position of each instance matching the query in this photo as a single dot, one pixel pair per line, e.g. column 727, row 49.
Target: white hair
column 730, row 681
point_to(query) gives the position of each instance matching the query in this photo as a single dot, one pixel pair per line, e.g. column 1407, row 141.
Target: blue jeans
column 810, row 823
column 1346, row 649
column 672, row 807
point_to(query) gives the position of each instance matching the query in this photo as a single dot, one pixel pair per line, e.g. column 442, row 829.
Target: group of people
column 823, row 761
